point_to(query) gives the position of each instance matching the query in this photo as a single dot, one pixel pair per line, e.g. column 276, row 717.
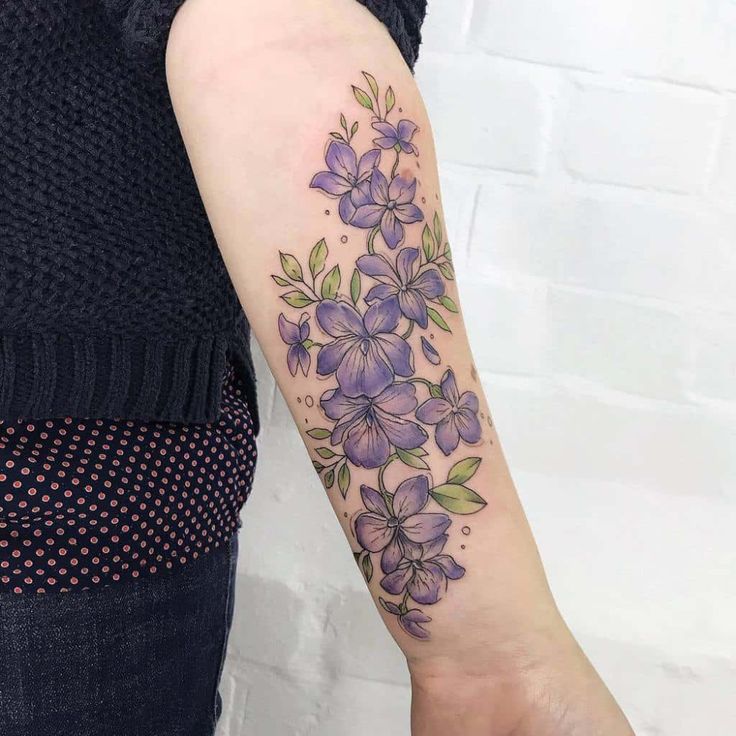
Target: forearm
column 314, row 157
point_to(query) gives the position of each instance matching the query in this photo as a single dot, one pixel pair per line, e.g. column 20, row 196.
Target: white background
column 588, row 158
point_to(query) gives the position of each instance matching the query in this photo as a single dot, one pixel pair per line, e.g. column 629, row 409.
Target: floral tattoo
column 380, row 409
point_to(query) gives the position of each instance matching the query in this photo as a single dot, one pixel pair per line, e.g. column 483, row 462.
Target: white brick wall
column 588, row 155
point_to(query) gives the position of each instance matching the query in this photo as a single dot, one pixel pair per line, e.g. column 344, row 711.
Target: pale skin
column 257, row 88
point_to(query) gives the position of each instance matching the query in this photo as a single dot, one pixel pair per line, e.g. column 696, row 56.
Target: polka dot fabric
column 89, row 502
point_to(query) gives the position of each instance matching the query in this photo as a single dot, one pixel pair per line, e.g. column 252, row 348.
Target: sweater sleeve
column 144, row 25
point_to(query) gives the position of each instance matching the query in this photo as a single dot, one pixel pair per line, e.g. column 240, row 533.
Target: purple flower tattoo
column 405, row 283
column 294, row 336
column 424, row 572
column 391, row 207
column 410, row 621
column 392, row 530
column 429, row 352
column 347, row 177
column 370, row 427
column 366, row 354
column 455, row 414
column 400, row 136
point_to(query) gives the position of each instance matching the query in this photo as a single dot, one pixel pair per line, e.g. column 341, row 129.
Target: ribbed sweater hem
column 156, row 377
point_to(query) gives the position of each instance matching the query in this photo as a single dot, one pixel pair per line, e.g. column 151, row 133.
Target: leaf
column 447, row 271
column 390, row 100
column 329, row 478
column 297, row 299
column 291, row 266
column 464, row 470
column 337, row 136
column 362, row 97
column 457, row 499
column 280, row 280
column 437, row 229
column 438, row 319
column 331, row 283
column 319, row 433
column 418, row 452
column 318, row 466
column 411, row 460
column 325, row 453
column 371, row 83
column 355, row 286
column 317, row 258
column 435, row 391
column 427, row 243
column 448, row 304
column 343, row 123
column 354, row 129
column 366, row 565
column 343, row 479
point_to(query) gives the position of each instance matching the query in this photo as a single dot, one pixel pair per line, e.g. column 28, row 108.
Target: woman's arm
column 315, row 160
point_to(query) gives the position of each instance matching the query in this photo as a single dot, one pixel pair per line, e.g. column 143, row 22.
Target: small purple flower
column 392, row 530
column 454, row 414
column 423, row 572
column 399, row 136
column 404, row 283
column 372, row 426
column 429, row 352
column 410, row 621
column 347, row 177
column 365, row 353
column 391, row 206
column 294, row 336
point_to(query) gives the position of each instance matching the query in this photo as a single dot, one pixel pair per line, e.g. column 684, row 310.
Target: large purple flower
column 365, row 353
column 399, row 136
column 391, row 206
column 372, row 426
column 347, row 177
column 392, row 530
column 404, row 283
column 454, row 414
column 423, row 572
column 411, row 621
column 294, row 336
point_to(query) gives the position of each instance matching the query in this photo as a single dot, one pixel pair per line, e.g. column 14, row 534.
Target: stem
column 371, row 238
column 396, row 165
column 409, row 330
column 427, row 383
column 381, row 486
column 307, row 287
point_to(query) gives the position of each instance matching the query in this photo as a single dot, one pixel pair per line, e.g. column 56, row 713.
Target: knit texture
column 114, row 298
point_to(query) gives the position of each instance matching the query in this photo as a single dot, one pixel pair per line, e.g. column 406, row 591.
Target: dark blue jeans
column 141, row 658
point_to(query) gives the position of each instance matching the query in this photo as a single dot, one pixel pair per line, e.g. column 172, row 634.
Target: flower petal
column 385, row 142
column 289, row 331
column 433, row 411
column 413, row 306
column 368, row 161
column 368, row 215
column 361, row 194
column 402, row 190
column 411, row 496
column 330, row 183
column 449, row 387
column 429, row 284
column 340, row 319
column 406, row 130
column 367, row 445
column 411, row 623
column 429, row 352
column 433, row 548
column 379, row 187
column 401, row 432
column 337, row 405
column 346, row 209
column 380, row 292
column 423, row 528
column 449, row 567
column 330, row 356
column 428, row 584
column 382, row 317
column 398, row 352
column 305, row 359
column 408, row 213
column 399, row 398
column 468, row 426
column 468, row 401
column 377, row 267
column 392, row 554
column 446, row 435
column 374, row 501
column 365, row 370
column 406, row 264
column 292, row 358
column 373, row 532
column 391, row 229
column 341, row 159
column 386, row 129
column 395, row 582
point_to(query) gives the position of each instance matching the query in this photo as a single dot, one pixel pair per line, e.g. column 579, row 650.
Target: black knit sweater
column 114, row 299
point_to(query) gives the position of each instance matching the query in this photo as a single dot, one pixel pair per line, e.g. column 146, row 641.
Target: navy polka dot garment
column 89, row 502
